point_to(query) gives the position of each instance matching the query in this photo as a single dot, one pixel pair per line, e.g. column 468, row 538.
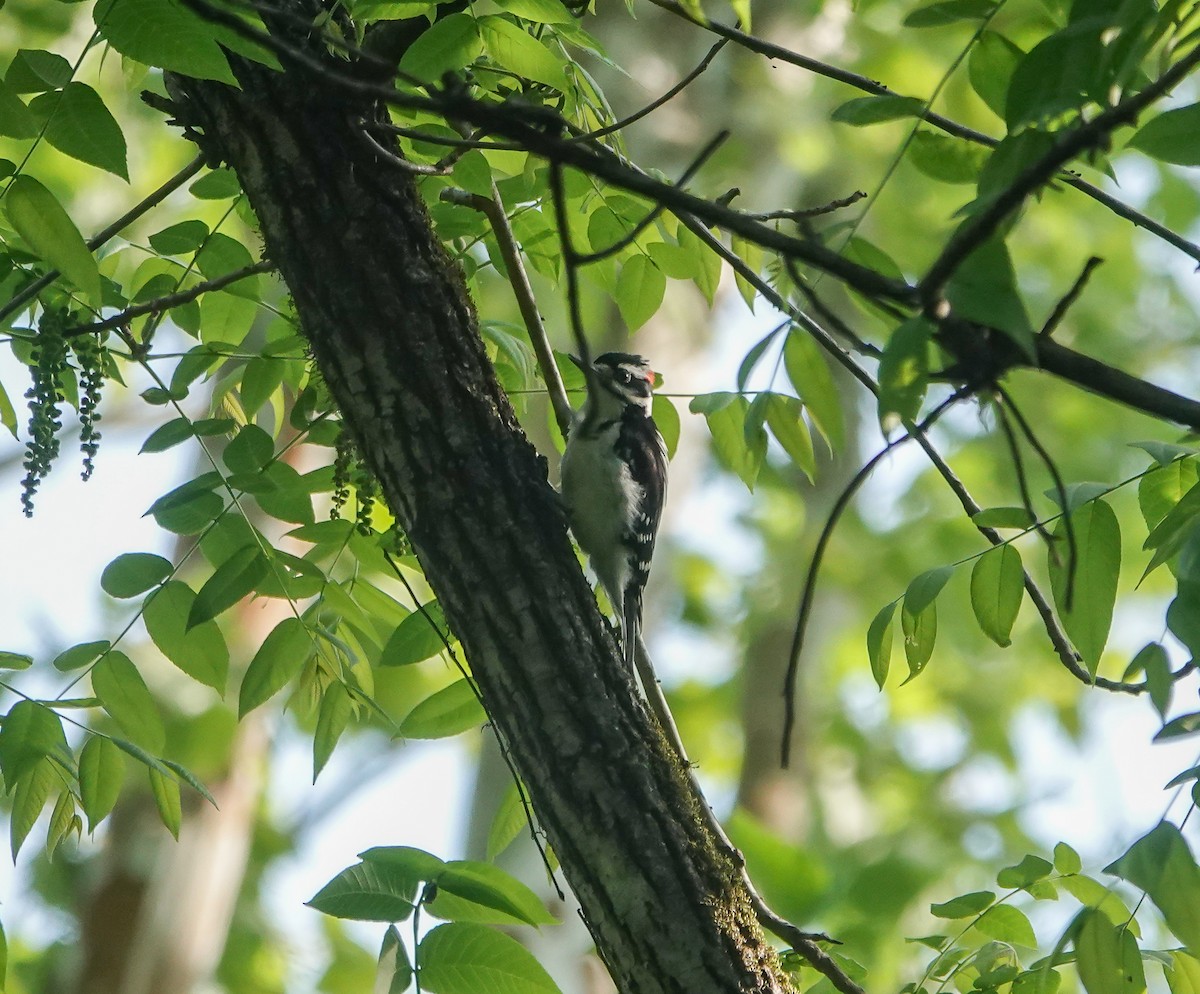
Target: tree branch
column 100, row 238
column 160, row 304
column 942, row 123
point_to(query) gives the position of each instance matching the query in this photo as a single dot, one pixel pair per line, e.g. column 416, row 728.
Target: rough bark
column 395, row 336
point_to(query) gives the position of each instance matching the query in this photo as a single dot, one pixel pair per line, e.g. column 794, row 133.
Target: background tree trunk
column 394, row 334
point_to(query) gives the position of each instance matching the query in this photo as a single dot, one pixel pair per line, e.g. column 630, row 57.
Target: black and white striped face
column 626, row 376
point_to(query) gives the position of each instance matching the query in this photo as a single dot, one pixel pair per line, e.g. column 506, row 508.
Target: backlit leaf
column 458, row 958
column 39, row 218
column 125, row 696
column 997, row 588
column 280, row 658
column 451, row 710
column 1098, row 540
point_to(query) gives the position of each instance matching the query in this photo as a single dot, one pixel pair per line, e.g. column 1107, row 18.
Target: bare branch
column 493, row 209
column 161, row 304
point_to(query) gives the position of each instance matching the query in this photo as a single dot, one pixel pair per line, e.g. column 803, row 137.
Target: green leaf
column 1183, row 975
column 40, row 220
column 984, row 289
column 904, row 373
column 80, row 655
column 29, row 796
column 879, row 643
column 1173, row 136
column 990, row 66
column 541, row 11
column 261, row 378
column 508, row 822
column 370, row 892
column 1162, row 865
column 1181, row 727
column 640, row 289
column 451, row 710
column 1066, row 859
column 8, row 415
column 79, row 125
column 169, row 435
column 1003, row 517
column 945, row 158
column 809, row 372
column 332, row 719
column 166, row 799
column 16, row 121
column 924, row 589
column 997, row 588
column 219, row 184
column 101, row 773
column 417, row 863
column 1006, row 924
column 451, row 43
column 519, row 52
column 126, row 698
column 1106, row 956
column 182, row 238
column 189, row 508
column 666, row 417
column 15, row 661
column 949, row 12
column 966, row 906
column 1152, row 660
column 31, row 732
column 394, row 973
column 1029, row 870
column 187, row 776
column 459, row 958
column 862, row 111
column 420, row 636
column 491, row 887
column 785, row 417
column 132, row 573
column 737, row 448
column 1054, row 77
column 163, row 33
column 33, row 70
column 285, row 495
column 234, row 579
column 250, row 450
column 280, row 658
column 199, row 650
column 920, row 634
column 1098, row 541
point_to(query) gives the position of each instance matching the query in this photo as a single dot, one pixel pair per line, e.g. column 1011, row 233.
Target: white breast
column 600, row 497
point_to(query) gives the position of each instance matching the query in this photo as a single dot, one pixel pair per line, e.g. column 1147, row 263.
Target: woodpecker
column 614, row 482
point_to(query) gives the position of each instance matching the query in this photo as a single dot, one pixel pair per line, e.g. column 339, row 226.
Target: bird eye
column 624, row 376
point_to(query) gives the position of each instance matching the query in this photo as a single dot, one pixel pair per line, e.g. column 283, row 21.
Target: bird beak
column 578, row 362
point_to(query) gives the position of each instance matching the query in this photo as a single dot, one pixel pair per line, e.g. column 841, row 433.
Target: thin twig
column 493, row 209
column 650, row 108
column 571, row 264
column 814, row 567
column 1059, row 487
column 106, row 234
column 1014, row 452
column 405, row 165
column 1069, row 298
column 160, row 304
column 810, row 212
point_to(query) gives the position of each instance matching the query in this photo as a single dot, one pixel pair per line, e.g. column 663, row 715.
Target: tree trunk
column 395, row 336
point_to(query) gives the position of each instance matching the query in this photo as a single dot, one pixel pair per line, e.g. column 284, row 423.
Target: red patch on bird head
column 652, row 377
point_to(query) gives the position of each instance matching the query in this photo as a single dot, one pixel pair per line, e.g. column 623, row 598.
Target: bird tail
column 631, row 625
